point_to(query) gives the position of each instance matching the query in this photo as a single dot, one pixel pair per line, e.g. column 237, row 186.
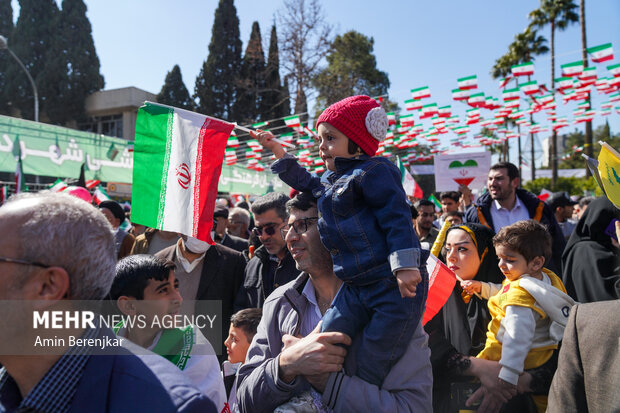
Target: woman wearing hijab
column 591, row 260
column 458, row 332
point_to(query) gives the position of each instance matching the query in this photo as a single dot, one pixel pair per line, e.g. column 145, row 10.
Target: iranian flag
column 476, row 100
column 444, row 111
column 504, row 81
column 233, row 142
column 468, row 82
column 614, row 69
column 458, row 94
column 525, row 69
column 391, row 118
column 413, row 104
column 428, row 110
column 292, row 121
column 601, row 53
column 259, row 125
column 177, row 164
column 562, row 83
column 529, row 88
column 572, row 69
column 407, row 120
column 410, row 186
column 100, row 195
column 58, row 186
column 510, row 94
column 421, row 92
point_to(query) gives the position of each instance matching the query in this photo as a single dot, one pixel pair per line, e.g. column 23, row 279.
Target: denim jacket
column 364, row 219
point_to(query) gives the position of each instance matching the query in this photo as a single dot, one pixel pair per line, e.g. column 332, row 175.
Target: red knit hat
column 360, row 119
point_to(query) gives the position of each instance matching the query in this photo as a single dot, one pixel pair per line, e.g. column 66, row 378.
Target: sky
column 417, row 43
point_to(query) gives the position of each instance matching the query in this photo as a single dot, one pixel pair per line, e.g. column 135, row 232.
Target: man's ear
column 516, row 182
column 50, row 283
column 127, row 305
column 537, row 263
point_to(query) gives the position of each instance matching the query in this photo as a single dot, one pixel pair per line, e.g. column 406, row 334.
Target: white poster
column 470, row 169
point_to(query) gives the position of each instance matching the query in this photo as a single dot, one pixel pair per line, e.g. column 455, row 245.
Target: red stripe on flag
column 212, row 142
column 441, row 284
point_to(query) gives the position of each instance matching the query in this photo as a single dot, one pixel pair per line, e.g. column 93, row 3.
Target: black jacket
column 253, row 292
column 532, row 203
column 236, row 243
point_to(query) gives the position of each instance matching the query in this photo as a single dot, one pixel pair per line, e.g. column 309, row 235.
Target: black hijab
column 465, row 324
column 590, row 262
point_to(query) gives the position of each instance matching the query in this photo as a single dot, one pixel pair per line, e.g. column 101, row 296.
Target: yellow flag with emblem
column 609, row 171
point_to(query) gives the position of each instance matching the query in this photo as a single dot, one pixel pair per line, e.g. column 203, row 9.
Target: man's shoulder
column 527, row 198
column 291, row 290
column 226, row 251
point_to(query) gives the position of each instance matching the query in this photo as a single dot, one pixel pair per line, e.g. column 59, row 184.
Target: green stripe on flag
column 153, row 140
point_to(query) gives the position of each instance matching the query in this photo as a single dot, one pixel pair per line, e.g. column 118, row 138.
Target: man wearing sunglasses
column 54, row 250
column 272, row 264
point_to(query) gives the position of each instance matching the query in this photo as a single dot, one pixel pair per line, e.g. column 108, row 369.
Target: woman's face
column 461, row 254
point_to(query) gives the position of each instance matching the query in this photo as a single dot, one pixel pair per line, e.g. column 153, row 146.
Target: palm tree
column 584, row 56
column 558, row 14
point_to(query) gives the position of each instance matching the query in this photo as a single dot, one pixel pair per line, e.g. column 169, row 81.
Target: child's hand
column 408, row 281
column 266, row 139
column 471, row 287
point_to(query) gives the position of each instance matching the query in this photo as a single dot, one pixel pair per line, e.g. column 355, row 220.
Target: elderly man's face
column 10, row 273
column 306, row 248
column 236, row 225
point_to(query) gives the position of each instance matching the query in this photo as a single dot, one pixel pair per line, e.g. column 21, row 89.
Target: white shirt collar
column 187, row 266
column 518, row 204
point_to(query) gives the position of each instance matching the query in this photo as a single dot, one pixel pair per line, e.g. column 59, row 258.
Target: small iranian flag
column 421, row 92
column 477, row 99
column 458, row 94
column 601, row 53
column 292, row 121
column 529, row 88
column 435, row 201
column 562, row 83
column 413, row 104
column 614, row 69
column 468, row 82
column 407, row 120
column 233, row 142
column 572, row 69
column 525, row 69
column 260, row 125
column 444, row 111
column 391, row 118
column 510, row 94
column 428, row 110
column 100, row 195
column 504, row 81
column 177, row 163
column 58, row 186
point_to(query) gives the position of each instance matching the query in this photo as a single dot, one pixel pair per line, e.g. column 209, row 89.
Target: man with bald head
column 56, row 249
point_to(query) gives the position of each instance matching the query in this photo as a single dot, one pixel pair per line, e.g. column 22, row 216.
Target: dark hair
column 453, row 214
column 453, row 195
column 134, row 272
column 272, row 200
column 353, row 147
column 528, row 237
column 586, row 201
column 424, row 202
column 247, row 320
column 513, row 171
column 414, row 211
column 303, row 202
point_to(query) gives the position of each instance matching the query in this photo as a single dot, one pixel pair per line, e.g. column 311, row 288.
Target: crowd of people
column 321, row 295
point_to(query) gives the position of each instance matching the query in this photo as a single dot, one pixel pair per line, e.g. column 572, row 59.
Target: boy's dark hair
column 272, row 200
column 247, row 320
column 453, row 195
column 529, row 238
column 353, row 147
column 134, row 272
column 424, row 202
column 303, row 202
column 453, row 214
column 513, row 171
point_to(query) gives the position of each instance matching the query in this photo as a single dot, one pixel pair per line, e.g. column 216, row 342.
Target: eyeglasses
column 23, row 262
column 300, row 226
column 269, row 229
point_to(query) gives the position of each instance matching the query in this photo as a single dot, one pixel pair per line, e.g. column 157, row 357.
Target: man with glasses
column 56, row 249
column 423, row 226
column 280, row 366
column 272, row 264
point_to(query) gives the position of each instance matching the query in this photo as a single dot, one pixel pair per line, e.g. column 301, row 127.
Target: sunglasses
column 269, row 229
column 300, row 226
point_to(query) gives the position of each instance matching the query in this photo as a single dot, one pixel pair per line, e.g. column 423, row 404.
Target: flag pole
column 248, row 130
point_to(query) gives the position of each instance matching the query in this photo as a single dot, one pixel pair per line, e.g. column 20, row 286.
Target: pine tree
column 174, row 92
column 6, row 30
column 273, row 106
column 84, row 77
column 286, row 98
column 35, row 40
column 251, row 81
column 215, row 85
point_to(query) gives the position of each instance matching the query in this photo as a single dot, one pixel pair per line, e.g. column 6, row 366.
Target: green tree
column 351, row 70
column 216, row 83
column 174, row 92
column 6, row 30
column 558, row 14
column 36, row 42
column 251, row 81
column 275, row 99
column 576, row 139
column 83, row 69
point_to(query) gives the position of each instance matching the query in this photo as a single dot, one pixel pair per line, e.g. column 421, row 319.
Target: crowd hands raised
column 281, row 278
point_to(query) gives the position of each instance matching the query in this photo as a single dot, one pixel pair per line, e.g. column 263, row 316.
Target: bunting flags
column 529, row 88
column 572, row 69
column 468, row 82
column 100, row 195
column 421, row 92
column 292, row 121
column 458, row 94
column 601, row 53
column 58, row 186
column 525, row 69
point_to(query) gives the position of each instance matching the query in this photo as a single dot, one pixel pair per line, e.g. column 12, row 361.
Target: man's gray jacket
column 407, row 387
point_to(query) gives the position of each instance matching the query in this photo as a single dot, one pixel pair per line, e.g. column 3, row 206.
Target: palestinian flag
column 510, row 94
column 525, row 69
column 468, row 82
column 100, row 195
column 177, row 164
column 458, row 94
column 529, row 88
column 58, row 186
column 421, row 92
column 413, row 104
column 614, row 69
column 292, row 121
column 572, row 69
column 601, row 53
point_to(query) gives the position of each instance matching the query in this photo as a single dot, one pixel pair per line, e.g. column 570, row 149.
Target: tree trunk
column 588, row 138
column 554, row 137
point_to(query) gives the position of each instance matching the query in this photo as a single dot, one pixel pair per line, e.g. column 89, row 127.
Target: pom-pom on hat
column 360, row 119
